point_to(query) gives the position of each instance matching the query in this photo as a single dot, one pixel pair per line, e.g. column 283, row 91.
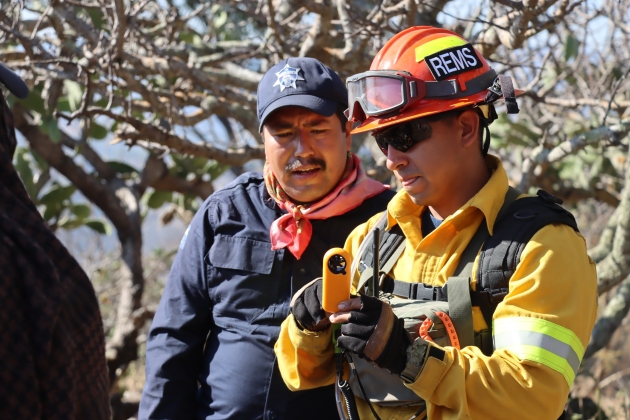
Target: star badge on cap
column 287, row 77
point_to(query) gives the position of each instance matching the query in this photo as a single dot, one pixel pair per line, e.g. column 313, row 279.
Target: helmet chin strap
column 486, row 143
column 487, row 114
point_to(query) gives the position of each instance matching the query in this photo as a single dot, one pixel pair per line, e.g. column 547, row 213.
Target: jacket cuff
column 433, row 370
column 313, row 342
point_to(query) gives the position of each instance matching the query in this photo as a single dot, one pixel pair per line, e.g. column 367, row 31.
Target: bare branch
column 616, row 266
column 120, row 27
column 614, row 313
column 517, row 5
column 613, row 133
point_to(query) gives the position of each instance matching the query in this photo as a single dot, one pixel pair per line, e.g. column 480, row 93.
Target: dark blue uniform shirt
column 210, row 347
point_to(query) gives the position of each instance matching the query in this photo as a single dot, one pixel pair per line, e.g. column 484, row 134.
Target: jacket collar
column 488, row 200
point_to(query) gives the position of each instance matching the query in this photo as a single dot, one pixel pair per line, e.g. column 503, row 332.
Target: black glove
column 306, row 307
column 376, row 334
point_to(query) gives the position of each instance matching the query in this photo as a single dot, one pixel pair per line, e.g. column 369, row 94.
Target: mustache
column 298, row 163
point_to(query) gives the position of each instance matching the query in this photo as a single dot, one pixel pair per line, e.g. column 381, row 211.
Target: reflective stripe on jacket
column 540, row 329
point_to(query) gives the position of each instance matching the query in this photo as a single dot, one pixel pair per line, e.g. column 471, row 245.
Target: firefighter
column 428, row 100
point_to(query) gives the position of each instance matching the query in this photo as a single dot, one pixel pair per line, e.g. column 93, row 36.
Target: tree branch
column 614, row 133
column 614, row 313
column 616, row 266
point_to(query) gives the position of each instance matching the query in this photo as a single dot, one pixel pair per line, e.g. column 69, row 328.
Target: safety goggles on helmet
column 376, row 93
column 380, row 92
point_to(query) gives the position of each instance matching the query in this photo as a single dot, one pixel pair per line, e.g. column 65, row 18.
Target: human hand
column 371, row 330
column 306, row 307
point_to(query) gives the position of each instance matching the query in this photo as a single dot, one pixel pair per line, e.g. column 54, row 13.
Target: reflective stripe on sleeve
column 540, row 341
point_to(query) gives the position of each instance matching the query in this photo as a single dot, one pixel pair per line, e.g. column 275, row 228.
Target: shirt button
column 302, row 271
column 272, row 415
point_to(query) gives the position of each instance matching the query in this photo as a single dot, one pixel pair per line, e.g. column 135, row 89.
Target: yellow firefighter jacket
column 544, row 321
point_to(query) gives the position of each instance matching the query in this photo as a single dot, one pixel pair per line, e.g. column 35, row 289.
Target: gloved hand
column 306, row 307
column 375, row 333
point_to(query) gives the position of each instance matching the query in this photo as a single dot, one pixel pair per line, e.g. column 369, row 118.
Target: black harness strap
column 516, row 223
column 501, row 253
column 390, row 240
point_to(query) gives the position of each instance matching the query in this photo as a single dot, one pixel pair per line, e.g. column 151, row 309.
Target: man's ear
column 348, row 135
column 469, row 121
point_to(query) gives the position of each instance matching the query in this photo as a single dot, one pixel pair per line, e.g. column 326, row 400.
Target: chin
column 419, row 198
column 303, row 195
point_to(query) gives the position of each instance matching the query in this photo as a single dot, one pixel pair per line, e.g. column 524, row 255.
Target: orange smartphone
column 337, row 279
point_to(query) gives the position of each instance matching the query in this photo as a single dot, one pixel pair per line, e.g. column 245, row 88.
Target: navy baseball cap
column 300, row 81
column 13, row 82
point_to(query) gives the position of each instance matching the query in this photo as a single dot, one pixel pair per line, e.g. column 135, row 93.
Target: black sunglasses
column 404, row 136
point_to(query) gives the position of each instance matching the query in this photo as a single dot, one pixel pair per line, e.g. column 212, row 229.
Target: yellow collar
column 489, row 199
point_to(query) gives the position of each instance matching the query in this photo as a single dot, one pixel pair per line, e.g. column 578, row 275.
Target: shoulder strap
column 467, row 260
column 501, row 252
column 458, row 285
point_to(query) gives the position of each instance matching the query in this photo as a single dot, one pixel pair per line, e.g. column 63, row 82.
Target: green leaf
column 34, row 101
column 42, row 165
column 99, row 226
column 52, row 211
column 57, row 195
column 63, row 105
column 82, row 211
column 220, row 19
column 50, row 128
column 186, row 36
column 121, row 167
column 97, row 131
column 23, row 166
column 97, row 17
column 158, row 198
column 74, row 93
column 69, row 224
column 571, row 46
column 214, row 169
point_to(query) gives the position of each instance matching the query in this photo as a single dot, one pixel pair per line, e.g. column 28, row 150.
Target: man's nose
column 396, row 159
column 303, row 146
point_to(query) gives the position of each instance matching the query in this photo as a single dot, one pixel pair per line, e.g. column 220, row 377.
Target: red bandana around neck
column 294, row 230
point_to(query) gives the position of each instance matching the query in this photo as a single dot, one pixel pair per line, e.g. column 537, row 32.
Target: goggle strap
column 508, row 94
column 449, row 89
column 503, row 86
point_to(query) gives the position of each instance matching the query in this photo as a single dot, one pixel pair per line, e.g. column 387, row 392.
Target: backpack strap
column 458, row 285
column 392, row 245
column 501, row 252
column 467, row 260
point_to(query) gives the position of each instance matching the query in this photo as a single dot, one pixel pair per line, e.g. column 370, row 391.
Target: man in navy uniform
column 250, row 247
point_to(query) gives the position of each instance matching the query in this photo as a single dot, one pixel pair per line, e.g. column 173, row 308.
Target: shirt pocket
column 240, row 280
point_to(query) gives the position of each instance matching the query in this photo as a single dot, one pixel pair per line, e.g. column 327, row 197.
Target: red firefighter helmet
column 423, row 71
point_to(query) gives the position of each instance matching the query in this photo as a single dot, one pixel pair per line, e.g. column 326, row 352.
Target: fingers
column 345, row 307
column 353, row 304
column 339, row 317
